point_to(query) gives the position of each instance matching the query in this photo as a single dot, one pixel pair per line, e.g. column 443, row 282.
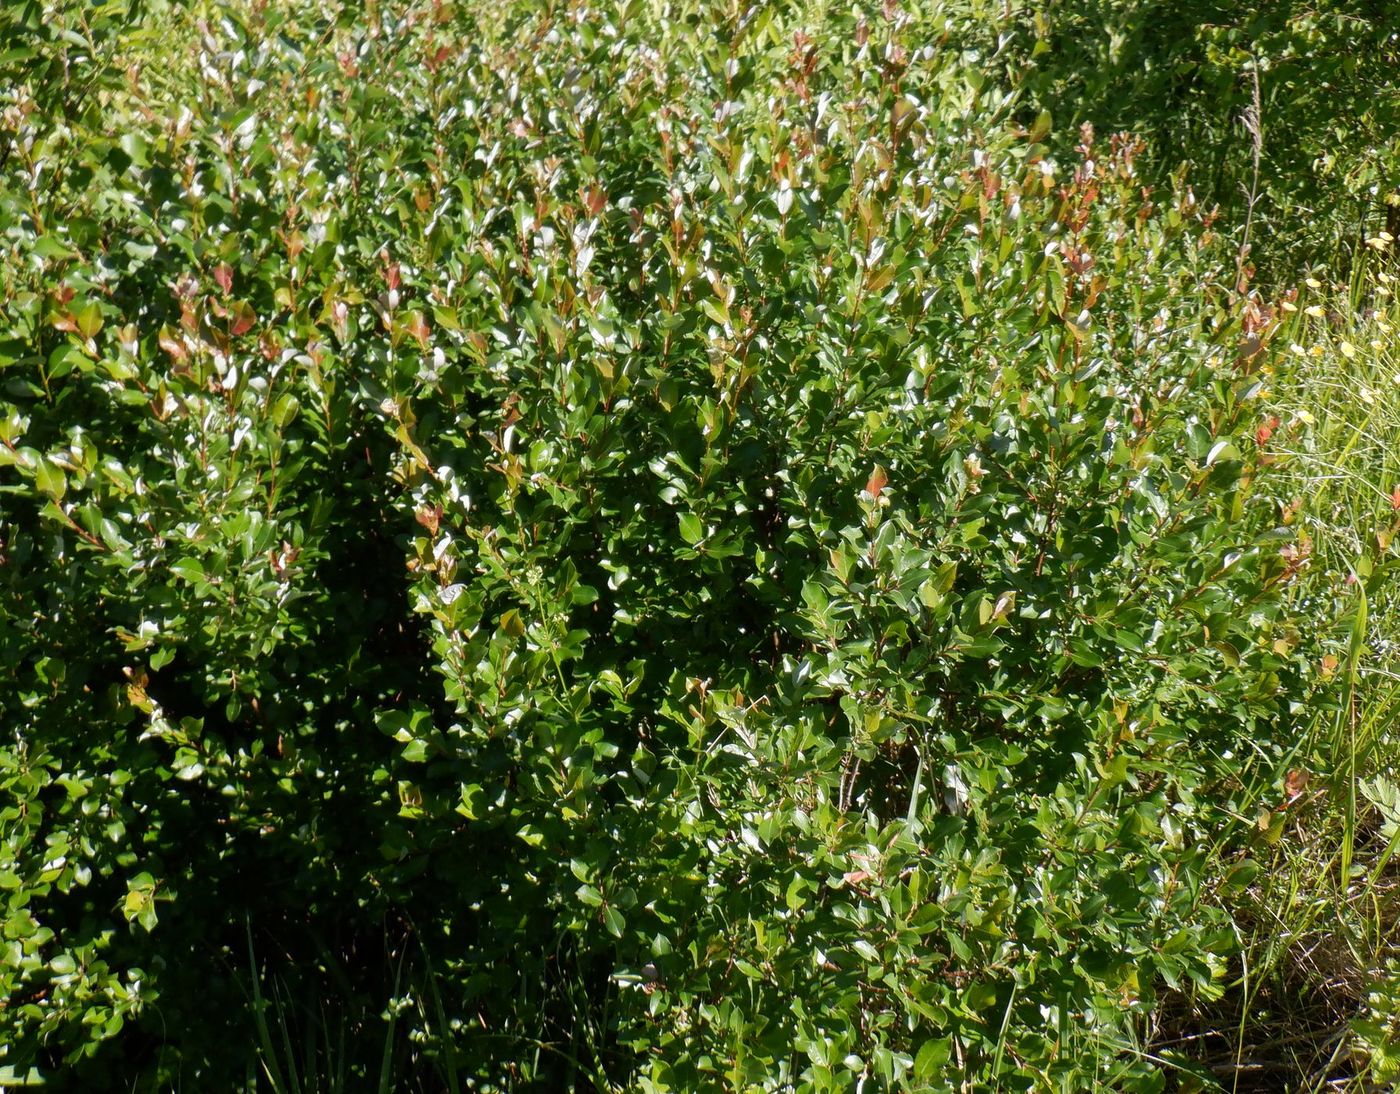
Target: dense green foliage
column 661, row 546
column 1314, row 81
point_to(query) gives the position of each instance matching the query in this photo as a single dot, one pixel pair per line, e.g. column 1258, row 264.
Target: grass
column 304, row 1050
column 1315, row 1001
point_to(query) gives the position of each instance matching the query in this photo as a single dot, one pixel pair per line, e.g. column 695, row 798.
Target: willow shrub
column 774, row 578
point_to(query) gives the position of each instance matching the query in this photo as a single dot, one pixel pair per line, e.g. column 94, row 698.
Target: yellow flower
column 1312, row 283
column 1348, row 350
column 1315, row 310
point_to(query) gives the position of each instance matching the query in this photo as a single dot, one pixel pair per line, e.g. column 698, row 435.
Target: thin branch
column 1252, row 120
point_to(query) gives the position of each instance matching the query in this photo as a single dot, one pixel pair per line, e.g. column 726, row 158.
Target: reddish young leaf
column 171, row 342
column 417, row 326
column 595, row 200
column 430, row 518
column 877, row 481
column 1295, row 785
column 243, row 318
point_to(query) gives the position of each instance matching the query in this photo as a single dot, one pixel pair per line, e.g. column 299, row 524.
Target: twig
column 1252, row 119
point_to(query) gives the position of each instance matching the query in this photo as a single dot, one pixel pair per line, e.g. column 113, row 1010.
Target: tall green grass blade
column 266, row 1047
column 285, row 1028
column 1346, row 731
column 386, row 1065
column 449, row 1060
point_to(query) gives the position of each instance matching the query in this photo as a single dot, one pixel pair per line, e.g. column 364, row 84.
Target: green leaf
column 614, row 920
column 87, row 317
column 932, row 1058
column 140, row 905
column 50, row 479
column 1040, row 129
column 136, row 148
column 1241, row 875
column 188, row 568
column 692, row 531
